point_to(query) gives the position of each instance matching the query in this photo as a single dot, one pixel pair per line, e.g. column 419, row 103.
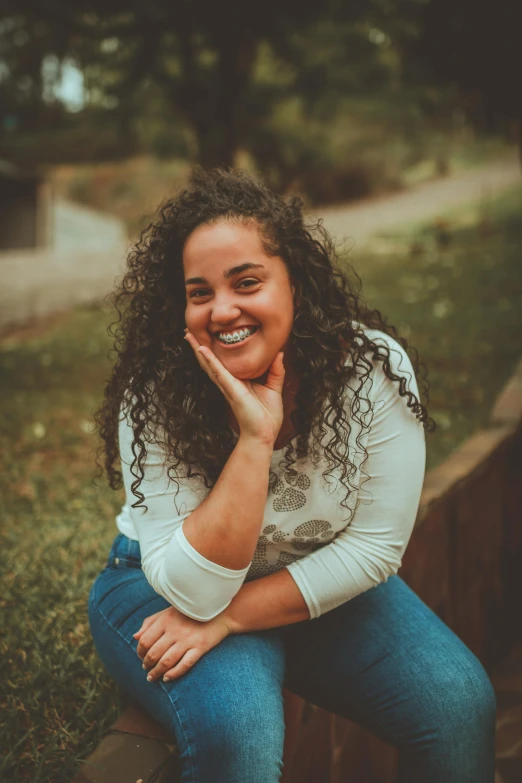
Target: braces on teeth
column 235, row 337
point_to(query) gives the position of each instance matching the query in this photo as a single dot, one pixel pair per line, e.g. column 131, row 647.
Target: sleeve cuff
column 300, row 579
column 202, row 562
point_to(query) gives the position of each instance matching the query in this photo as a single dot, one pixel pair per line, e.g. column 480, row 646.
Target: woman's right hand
column 258, row 408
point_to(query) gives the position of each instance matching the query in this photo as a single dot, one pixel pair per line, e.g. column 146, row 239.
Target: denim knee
column 469, row 700
column 454, row 737
column 242, row 745
column 457, row 708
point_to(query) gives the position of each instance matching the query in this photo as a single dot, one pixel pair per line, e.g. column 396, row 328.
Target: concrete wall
column 75, row 227
column 86, row 255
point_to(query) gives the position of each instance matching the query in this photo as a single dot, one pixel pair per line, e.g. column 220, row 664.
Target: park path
column 75, row 227
column 89, row 248
column 357, row 222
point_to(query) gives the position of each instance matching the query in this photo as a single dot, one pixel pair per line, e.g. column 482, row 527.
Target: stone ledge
column 130, row 758
column 462, row 465
column 473, row 455
column 508, row 405
column 134, row 720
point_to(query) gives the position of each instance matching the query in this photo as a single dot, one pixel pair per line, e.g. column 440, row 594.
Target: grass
column 452, row 288
column 55, row 699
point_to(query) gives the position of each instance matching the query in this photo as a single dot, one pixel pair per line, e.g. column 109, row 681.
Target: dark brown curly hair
column 156, row 379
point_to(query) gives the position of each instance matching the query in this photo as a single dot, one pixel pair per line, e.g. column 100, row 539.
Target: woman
column 271, row 442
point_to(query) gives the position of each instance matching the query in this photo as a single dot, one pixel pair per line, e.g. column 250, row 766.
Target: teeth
column 235, row 337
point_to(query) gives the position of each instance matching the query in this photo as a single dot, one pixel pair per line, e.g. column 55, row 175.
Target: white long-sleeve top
column 332, row 552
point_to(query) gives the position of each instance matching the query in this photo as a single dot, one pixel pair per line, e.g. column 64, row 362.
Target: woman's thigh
column 226, row 712
column 386, row 661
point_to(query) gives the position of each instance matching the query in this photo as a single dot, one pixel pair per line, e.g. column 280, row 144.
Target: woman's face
column 232, row 284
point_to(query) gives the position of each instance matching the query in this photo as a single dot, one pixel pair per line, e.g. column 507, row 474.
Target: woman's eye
column 199, row 293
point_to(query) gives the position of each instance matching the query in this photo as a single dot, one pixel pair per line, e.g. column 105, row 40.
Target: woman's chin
column 245, row 371
column 253, row 375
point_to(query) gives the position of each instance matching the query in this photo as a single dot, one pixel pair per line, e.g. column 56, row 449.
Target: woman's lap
column 226, row 712
column 386, row 661
column 383, row 659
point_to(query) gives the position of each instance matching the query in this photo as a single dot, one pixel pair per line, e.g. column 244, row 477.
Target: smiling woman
column 269, row 433
column 238, row 294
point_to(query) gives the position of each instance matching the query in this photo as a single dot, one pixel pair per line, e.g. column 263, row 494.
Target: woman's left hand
column 170, row 643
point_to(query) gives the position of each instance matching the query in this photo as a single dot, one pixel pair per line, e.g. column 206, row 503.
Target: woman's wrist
column 231, row 623
column 267, row 602
column 263, row 447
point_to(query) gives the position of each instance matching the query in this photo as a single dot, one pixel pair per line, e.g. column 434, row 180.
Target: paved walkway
column 90, row 248
column 357, row 222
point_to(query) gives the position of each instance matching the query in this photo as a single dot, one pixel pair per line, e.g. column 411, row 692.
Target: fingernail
column 150, row 678
column 166, row 679
column 143, row 666
column 186, row 329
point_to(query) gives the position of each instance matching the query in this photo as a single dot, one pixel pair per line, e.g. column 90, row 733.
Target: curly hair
column 156, row 379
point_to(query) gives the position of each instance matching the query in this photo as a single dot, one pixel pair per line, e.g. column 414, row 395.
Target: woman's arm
column 170, row 643
column 180, row 568
column 267, row 602
column 370, row 549
column 225, row 527
column 198, row 557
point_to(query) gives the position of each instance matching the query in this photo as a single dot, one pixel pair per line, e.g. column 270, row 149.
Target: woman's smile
column 235, row 338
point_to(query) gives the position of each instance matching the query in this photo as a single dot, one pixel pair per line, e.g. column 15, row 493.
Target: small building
column 24, row 208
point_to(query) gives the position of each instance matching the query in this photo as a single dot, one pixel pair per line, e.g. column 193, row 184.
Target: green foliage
column 367, row 145
column 453, row 288
column 185, row 80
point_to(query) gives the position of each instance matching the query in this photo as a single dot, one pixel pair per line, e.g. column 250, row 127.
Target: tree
column 476, row 47
column 203, row 54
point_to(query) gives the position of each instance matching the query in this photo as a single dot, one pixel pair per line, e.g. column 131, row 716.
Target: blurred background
column 399, row 122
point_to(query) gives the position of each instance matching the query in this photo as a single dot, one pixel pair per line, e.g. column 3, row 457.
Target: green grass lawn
column 454, row 289
column 458, row 304
column 57, row 526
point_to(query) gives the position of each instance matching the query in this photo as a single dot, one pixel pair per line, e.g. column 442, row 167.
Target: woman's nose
column 225, row 310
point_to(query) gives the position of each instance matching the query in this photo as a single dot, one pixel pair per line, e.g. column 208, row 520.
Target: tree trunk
column 518, row 126
column 218, row 126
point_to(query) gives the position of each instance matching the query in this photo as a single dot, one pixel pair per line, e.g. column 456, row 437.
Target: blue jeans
column 383, row 660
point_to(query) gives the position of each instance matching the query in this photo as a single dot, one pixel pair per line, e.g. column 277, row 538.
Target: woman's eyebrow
column 234, row 270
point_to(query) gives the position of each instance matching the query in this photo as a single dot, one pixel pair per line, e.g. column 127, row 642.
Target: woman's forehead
column 223, row 235
column 225, row 244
